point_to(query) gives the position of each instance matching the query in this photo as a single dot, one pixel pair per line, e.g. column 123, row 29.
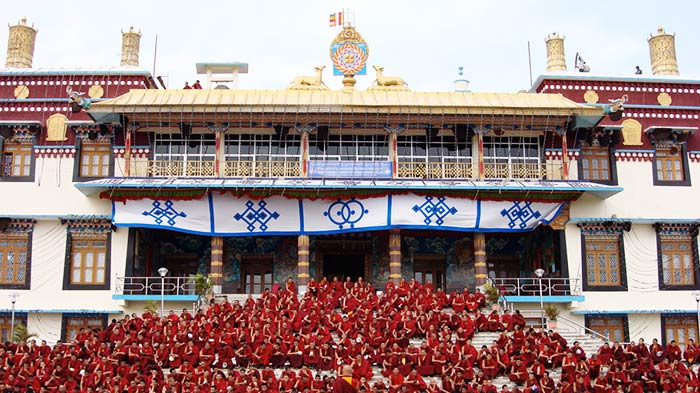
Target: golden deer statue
column 310, row 80
column 387, row 80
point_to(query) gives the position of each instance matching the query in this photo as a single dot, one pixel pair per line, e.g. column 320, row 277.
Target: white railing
column 155, row 286
column 531, row 286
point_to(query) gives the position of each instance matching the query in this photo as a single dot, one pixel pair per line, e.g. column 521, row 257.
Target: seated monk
column 691, row 351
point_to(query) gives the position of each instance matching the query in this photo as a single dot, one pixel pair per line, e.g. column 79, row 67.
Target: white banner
column 223, row 214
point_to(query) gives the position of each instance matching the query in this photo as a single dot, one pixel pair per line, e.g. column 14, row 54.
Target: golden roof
column 336, row 101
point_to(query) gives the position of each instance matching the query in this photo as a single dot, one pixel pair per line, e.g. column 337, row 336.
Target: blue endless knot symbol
column 341, row 213
column 435, row 210
column 168, row 212
column 260, row 215
column 520, row 215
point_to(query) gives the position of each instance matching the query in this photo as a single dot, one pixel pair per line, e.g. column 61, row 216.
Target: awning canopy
column 560, row 190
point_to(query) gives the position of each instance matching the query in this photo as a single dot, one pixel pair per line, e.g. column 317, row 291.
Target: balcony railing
column 436, row 170
column 262, row 169
column 531, row 286
column 155, row 286
column 409, row 169
column 521, row 171
column 168, row 168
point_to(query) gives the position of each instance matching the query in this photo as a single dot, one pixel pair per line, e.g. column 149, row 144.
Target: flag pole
column 529, row 61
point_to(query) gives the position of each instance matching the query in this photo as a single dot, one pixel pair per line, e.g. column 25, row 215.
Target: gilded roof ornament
column 393, row 83
column 349, row 53
column 309, row 82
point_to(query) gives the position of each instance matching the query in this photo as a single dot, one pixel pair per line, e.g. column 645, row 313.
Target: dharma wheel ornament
column 349, row 53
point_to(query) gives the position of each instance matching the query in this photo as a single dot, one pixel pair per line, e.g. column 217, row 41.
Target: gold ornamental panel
column 664, row 99
column 21, row 92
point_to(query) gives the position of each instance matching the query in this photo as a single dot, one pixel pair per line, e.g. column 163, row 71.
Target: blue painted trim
column 478, row 213
column 613, row 312
column 301, row 215
column 546, row 299
column 441, row 187
column 169, row 298
column 113, row 211
column 559, row 149
column 388, row 212
column 211, row 212
column 62, row 311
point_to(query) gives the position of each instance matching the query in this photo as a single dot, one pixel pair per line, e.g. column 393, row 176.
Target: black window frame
column 683, row 153
column 612, row 166
column 78, row 161
column 32, row 165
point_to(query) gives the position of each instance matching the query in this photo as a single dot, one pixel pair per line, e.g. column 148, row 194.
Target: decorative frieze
column 54, row 151
column 136, row 151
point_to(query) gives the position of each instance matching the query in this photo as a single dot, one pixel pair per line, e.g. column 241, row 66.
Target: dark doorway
column 343, row 265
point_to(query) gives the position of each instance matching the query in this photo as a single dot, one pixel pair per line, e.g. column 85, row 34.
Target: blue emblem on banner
column 520, row 215
column 435, row 210
column 259, row 215
column 159, row 212
column 350, row 212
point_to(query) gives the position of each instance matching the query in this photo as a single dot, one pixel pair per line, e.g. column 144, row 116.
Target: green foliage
column 491, row 293
column 22, row 334
column 203, row 284
column 551, row 311
column 151, row 306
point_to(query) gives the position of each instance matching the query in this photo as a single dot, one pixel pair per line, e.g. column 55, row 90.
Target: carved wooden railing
column 168, row 168
column 436, row 170
column 522, row 171
column 262, row 169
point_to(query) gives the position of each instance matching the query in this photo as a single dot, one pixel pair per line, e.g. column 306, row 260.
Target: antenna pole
column 155, row 55
column 529, row 61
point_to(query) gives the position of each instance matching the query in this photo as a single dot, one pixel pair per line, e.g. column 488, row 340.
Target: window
column 176, row 155
column 679, row 328
column 613, row 327
column 603, row 256
column 87, row 255
column 429, row 269
column 671, row 166
column 678, row 261
column 6, row 324
column 256, row 273
column 72, row 323
column 595, row 165
column 14, row 260
column 262, row 155
column 17, row 160
column 512, row 157
column 349, row 148
column 95, row 159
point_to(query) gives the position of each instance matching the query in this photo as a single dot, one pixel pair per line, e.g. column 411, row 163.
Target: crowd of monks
column 407, row 338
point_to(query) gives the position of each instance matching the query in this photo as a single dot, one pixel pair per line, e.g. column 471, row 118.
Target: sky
column 424, row 42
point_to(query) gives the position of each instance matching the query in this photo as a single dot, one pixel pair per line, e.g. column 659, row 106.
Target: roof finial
column 461, row 70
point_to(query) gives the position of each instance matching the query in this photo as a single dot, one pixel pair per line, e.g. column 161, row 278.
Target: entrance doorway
column 344, row 265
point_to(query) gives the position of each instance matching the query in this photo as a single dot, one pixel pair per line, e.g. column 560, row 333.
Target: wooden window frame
column 257, row 264
column 67, row 274
column 622, row 320
column 77, row 316
column 17, row 236
column 81, row 147
column 692, row 322
column 677, row 234
column 26, row 142
column 435, row 264
column 6, row 323
column 612, row 165
column 609, row 233
column 684, row 169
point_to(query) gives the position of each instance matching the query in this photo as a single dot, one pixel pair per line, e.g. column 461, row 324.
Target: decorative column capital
column 217, row 127
column 394, row 130
column 305, row 129
column 481, row 130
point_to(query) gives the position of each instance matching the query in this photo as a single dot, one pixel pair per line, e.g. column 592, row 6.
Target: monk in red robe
column 345, row 383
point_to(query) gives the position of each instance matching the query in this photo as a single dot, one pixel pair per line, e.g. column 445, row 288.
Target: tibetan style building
column 588, row 178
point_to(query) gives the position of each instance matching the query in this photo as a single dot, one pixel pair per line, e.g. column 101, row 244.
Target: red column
column 304, row 156
column 127, row 150
column 564, row 156
column 393, row 149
